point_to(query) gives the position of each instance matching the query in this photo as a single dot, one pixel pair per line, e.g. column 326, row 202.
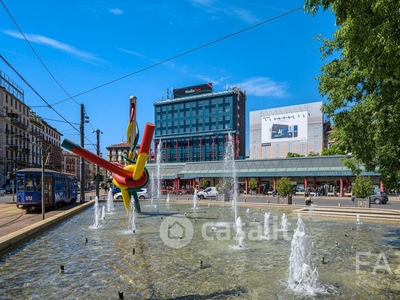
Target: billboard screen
column 193, row 90
column 284, row 128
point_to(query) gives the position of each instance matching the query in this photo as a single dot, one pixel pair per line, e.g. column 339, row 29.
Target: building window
column 316, row 132
column 316, row 147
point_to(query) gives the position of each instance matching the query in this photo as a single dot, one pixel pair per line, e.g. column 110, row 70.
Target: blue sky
column 101, row 52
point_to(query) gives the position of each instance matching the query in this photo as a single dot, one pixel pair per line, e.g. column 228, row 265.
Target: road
column 13, row 218
column 394, row 202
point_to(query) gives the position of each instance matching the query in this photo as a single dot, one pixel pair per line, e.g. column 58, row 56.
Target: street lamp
column 97, row 166
column 13, row 180
column 44, row 162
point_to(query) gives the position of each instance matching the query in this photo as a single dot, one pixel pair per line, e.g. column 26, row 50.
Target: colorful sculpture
column 134, row 175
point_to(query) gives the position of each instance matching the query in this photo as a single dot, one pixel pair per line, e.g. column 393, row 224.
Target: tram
column 59, row 189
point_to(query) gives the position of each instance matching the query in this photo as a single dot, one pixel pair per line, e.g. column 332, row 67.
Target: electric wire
column 185, row 53
column 130, row 74
column 40, row 96
column 36, row 54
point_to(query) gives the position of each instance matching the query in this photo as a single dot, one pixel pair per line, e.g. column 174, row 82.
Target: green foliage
column 362, row 187
column 361, row 81
column 203, row 183
column 284, row 186
column 253, row 184
column 223, row 186
column 292, row 154
column 312, row 153
column 352, row 163
column 331, row 151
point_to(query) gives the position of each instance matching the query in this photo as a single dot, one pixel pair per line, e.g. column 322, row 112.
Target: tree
column 331, row 151
column 312, row 153
column 362, row 187
column 362, row 81
column 203, row 183
column 284, row 186
column 292, row 154
column 253, row 184
column 223, row 186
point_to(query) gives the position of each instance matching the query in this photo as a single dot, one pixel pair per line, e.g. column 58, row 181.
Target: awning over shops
column 315, row 166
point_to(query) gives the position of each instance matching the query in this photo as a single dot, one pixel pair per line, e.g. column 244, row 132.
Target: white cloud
column 243, row 15
column 116, row 11
column 137, row 54
column 215, row 81
column 40, row 39
column 264, row 87
column 206, row 3
column 214, row 7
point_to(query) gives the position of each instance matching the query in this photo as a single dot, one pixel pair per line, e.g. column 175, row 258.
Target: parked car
column 379, row 198
column 210, row 192
column 142, row 194
column 376, row 197
column 2, row 191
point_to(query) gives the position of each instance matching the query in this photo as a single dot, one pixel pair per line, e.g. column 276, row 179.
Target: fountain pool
column 201, row 262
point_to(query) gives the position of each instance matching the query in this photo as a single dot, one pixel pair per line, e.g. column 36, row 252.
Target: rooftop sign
column 193, row 90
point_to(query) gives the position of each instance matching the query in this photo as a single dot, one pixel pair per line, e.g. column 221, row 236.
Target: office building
column 297, row 129
column 196, row 123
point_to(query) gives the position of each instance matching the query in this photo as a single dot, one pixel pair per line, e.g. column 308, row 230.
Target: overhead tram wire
column 36, row 54
column 31, row 87
column 44, row 100
column 47, row 69
column 184, row 53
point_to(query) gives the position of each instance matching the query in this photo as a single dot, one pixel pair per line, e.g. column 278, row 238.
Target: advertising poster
column 284, row 128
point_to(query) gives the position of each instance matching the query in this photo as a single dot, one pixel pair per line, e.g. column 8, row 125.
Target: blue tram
column 59, row 189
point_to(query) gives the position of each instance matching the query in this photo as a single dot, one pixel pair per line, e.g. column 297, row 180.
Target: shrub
column 203, row 183
column 284, row 186
column 362, row 187
column 253, row 184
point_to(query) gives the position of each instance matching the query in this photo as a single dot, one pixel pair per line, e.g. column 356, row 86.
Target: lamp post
column 13, row 182
column 44, row 162
column 84, row 119
column 97, row 166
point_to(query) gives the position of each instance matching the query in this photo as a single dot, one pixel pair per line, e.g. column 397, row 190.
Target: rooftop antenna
column 167, row 90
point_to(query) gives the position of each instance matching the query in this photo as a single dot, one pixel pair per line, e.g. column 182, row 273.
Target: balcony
column 35, row 132
column 37, row 121
column 18, row 123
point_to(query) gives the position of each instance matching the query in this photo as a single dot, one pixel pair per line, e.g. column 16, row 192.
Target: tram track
column 16, row 219
column 13, row 219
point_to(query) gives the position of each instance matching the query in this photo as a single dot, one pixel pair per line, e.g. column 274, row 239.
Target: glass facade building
column 197, row 128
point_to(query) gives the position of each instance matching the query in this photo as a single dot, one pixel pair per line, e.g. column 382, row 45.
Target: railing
column 19, row 124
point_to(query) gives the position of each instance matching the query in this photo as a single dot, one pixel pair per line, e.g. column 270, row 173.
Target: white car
column 210, row 192
column 142, row 194
column 2, row 191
